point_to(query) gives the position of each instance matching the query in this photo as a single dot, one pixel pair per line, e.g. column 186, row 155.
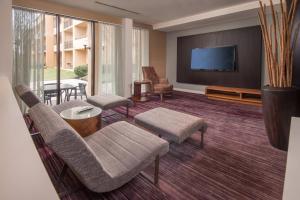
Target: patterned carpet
column 237, row 161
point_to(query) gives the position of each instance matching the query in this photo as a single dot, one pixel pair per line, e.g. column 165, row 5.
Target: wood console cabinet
column 240, row 95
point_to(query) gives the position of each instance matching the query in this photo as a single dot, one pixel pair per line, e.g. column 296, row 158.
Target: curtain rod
column 69, row 16
column 62, row 15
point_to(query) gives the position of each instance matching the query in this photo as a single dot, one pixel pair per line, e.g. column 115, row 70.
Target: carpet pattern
column 237, row 161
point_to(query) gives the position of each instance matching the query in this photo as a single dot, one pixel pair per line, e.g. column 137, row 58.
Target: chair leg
column 156, row 172
column 202, row 138
column 31, row 126
column 161, row 97
column 63, row 172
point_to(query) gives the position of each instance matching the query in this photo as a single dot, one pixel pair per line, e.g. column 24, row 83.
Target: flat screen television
column 214, row 59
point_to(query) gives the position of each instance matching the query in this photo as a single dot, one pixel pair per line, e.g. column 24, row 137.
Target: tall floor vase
column 279, row 105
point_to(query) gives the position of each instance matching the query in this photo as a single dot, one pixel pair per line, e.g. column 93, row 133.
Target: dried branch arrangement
column 278, row 42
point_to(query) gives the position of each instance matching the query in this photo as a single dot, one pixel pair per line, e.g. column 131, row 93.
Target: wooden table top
column 142, row 82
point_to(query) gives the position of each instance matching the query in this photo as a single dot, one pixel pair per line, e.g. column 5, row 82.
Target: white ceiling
column 153, row 11
column 174, row 15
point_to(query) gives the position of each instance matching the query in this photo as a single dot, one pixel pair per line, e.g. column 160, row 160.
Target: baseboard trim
column 189, row 91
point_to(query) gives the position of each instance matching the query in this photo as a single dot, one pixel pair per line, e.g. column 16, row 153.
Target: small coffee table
column 85, row 123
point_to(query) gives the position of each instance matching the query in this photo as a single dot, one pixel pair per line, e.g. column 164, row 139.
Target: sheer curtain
column 28, row 49
column 140, row 52
column 110, row 71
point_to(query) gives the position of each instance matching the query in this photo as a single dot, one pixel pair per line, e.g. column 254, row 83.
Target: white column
column 127, row 55
column 6, row 39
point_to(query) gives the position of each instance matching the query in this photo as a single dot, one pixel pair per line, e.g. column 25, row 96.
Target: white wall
column 23, row 175
column 292, row 175
column 6, row 38
column 171, row 66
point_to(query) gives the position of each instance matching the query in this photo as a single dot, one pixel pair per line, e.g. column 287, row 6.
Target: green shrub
column 81, row 70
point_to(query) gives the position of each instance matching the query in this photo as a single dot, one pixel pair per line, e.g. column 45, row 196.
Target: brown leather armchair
column 159, row 86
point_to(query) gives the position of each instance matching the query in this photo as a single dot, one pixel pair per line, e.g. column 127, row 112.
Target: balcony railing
column 68, row 44
column 67, row 23
column 81, row 43
column 78, row 37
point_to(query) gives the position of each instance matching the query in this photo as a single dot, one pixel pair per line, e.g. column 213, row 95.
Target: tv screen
column 214, row 59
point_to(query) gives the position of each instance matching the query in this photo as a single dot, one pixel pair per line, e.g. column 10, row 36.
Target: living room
column 149, row 100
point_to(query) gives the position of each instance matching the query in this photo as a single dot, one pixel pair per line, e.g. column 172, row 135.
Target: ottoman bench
column 106, row 102
column 173, row 125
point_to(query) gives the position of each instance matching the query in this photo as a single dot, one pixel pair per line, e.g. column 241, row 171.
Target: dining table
column 50, row 89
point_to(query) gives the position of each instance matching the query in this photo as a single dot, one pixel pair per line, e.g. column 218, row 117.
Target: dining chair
column 80, row 91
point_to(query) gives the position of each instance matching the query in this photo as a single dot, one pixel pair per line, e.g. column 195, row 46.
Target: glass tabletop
column 72, row 113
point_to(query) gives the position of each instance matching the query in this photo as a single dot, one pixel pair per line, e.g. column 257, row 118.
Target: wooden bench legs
column 202, row 138
column 156, row 170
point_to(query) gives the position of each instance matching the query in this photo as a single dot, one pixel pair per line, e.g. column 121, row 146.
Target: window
column 36, row 55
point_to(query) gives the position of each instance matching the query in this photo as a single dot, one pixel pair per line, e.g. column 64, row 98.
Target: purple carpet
column 237, row 161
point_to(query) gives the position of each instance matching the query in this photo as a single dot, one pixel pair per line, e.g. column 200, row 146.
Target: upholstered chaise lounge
column 105, row 160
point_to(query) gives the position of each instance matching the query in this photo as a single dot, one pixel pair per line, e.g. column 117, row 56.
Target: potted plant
column 280, row 99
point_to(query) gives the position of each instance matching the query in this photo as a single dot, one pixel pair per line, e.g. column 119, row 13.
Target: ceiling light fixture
column 115, row 7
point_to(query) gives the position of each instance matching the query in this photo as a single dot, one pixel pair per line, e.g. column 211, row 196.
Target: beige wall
column 6, row 39
column 157, row 52
column 157, row 49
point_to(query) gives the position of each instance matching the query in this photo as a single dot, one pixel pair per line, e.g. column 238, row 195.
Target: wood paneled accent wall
column 296, row 72
column 249, row 58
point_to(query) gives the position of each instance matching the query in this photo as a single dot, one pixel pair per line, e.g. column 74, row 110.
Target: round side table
column 85, row 123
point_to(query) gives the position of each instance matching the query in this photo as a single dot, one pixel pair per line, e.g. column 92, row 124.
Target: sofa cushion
column 25, row 93
column 109, row 101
